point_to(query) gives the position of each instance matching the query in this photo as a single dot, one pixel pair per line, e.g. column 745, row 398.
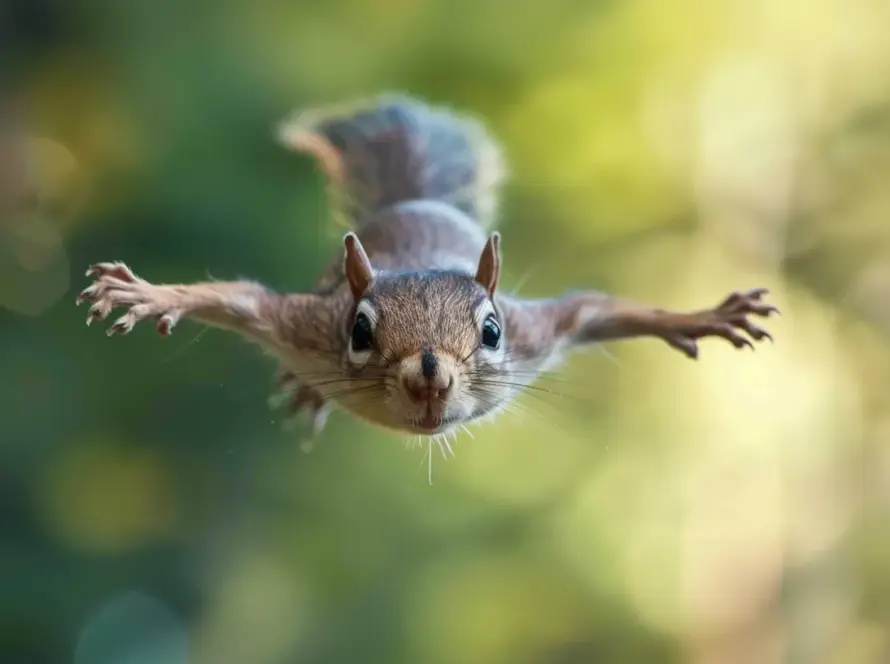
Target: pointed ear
column 490, row 264
column 356, row 266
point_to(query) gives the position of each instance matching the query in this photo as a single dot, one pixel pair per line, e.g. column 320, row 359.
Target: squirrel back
column 393, row 149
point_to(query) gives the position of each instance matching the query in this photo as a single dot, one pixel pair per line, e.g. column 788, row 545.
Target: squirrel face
column 426, row 340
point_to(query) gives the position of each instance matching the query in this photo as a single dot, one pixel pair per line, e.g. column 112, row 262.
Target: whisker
column 335, row 381
column 514, row 407
column 369, row 370
column 444, row 444
column 353, row 391
column 472, row 352
column 487, row 379
column 534, row 375
column 367, row 400
column 526, row 378
column 495, row 403
column 365, row 375
column 289, row 390
column 531, row 389
column 428, row 457
column 430, row 467
column 521, row 410
column 518, row 387
column 438, row 440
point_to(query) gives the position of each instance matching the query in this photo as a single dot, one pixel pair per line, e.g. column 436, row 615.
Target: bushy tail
column 394, row 148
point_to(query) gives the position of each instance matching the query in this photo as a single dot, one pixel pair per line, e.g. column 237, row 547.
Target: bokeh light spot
column 133, row 628
column 106, row 499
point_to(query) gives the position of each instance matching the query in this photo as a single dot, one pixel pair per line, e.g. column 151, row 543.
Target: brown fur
column 424, row 276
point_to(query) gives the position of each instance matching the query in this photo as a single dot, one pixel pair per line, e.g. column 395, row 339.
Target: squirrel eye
column 491, row 332
column 362, row 335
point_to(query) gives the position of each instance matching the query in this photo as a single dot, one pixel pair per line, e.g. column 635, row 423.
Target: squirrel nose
column 421, row 389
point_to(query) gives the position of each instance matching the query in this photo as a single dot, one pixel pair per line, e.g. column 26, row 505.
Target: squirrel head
column 427, row 339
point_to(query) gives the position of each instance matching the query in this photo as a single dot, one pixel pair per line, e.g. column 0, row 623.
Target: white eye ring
column 483, row 311
column 364, row 311
column 486, row 309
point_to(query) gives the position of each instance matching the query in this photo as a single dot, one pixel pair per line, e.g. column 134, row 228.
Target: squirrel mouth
column 430, row 423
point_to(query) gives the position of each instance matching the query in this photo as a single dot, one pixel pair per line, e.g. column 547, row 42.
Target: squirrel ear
column 356, row 266
column 490, row 264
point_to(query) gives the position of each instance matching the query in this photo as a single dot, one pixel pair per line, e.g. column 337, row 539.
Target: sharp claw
column 760, row 310
column 115, row 285
column 727, row 331
column 97, row 312
column 166, row 323
column 755, row 331
column 98, row 268
column 86, row 294
column 116, row 269
column 762, row 334
column 737, row 341
column 726, row 321
column 122, row 325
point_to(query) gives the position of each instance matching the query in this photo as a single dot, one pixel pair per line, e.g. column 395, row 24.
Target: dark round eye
column 491, row 332
column 362, row 335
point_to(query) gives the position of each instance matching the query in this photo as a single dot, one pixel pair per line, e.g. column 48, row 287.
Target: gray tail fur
column 394, row 148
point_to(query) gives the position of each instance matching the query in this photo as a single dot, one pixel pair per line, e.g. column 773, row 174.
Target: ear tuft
column 490, row 264
column 356, row 266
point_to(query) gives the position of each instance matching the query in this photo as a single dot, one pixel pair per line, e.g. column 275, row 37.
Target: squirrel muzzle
column 428, row 382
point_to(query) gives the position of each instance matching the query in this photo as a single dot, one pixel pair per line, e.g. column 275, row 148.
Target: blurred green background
column 730, row 511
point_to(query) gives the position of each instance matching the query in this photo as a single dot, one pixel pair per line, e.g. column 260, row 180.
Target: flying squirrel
column 407, row 329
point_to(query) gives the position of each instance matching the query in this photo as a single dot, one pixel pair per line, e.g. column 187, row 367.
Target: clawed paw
column 729, row 320
column 300, row 402
column 116, row 286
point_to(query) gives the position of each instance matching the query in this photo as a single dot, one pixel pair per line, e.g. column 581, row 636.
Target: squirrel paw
column 116, row 286
column 727, row 321
column 300, row 401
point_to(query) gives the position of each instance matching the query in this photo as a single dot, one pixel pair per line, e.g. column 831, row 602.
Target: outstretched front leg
column 240, row 306
column 588, row 317
column 296, row 328
column 586, row 322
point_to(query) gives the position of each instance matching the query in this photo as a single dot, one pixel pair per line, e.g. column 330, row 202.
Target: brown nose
column 422, row 389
